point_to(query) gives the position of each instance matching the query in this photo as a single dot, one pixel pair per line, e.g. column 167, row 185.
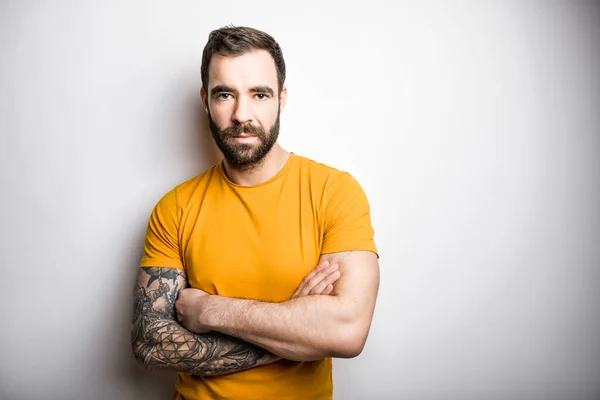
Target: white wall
column 474, row 129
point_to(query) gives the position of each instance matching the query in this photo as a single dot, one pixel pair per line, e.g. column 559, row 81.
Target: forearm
column 159, row 341
column 164, row 344
column 302, row 329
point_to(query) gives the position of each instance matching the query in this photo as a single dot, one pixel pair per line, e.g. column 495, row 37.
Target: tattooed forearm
column 158, row 341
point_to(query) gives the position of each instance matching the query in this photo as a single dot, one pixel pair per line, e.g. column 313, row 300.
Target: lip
column 244, row 138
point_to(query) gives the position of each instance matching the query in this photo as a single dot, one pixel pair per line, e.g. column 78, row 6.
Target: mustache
column 238, row 129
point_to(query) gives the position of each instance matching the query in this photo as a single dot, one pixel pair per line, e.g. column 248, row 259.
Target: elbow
column 144, row 354
column 351, row 348
column 349, row 341
column 140, row 355
column 142, row 351
column 341, row 343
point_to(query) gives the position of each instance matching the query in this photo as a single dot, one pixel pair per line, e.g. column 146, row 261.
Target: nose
column 242, row 113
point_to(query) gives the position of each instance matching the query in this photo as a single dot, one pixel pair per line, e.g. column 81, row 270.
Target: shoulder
column 182, row 194
column 324, row 173
column 332, row 179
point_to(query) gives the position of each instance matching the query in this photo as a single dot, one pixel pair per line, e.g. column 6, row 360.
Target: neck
column 257, row 174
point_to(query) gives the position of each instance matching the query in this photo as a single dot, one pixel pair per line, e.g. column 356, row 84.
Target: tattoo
column 159, row 341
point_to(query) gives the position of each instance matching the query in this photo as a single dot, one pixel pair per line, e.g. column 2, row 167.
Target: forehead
column 249, row 69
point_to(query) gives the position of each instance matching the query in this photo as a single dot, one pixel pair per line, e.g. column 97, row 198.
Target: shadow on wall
column 123, row 367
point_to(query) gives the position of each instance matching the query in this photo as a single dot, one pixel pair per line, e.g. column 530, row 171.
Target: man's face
column 243, row 106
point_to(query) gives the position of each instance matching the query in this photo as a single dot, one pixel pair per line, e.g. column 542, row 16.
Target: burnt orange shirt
column 258, row 242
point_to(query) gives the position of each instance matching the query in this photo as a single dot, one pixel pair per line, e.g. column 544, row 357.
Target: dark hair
column 234, row 41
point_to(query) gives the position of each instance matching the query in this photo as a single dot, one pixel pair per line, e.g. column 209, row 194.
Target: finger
column 302, row 287
column 328, row 290
column 318, row 278
column 298, row 289
column 328, row 280
column 316, row 270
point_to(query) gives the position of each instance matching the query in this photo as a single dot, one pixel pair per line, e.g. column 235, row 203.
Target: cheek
column 268, row 117
column 220, row 113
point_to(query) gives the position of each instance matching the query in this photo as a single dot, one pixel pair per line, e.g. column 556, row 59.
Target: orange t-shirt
column 258, row 242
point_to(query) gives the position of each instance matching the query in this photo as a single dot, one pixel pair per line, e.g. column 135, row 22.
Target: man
column 258, row 271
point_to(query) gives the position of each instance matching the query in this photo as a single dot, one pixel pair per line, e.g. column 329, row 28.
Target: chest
column 256, row 245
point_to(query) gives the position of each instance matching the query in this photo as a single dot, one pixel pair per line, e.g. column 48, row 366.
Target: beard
column 244, row 156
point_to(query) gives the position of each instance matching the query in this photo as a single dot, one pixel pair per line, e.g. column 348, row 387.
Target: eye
column 261, row 96
column 223, row 96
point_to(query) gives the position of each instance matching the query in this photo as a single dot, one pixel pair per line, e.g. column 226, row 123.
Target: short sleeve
column 161, row 245
column 347, row 217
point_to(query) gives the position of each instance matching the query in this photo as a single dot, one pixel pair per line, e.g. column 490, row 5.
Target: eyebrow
column 262, row 89
column 221, row 88
column 256, row 89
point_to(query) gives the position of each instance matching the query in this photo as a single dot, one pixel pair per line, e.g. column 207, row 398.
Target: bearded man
column 259, row 270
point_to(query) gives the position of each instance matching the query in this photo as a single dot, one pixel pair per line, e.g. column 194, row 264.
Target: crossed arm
column 301, row 329
column 159, row 341
column 207, row 342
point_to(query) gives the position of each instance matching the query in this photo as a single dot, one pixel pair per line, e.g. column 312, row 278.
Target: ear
column 204, row 99
column 282, row 98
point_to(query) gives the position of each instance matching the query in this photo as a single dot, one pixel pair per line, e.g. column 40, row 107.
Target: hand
column 319, row 281
column 189, row 306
